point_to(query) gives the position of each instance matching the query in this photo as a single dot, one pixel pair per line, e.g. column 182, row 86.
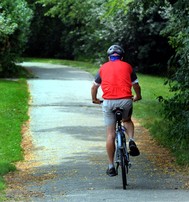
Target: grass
column 13, row 109
column 148, row 110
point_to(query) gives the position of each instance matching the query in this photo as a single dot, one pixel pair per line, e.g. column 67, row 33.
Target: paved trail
column 69, row 158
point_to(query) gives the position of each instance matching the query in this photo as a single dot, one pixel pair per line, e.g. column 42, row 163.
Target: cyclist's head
column 115, row 50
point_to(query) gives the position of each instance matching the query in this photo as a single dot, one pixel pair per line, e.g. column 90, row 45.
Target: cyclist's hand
column 97, row 101
column 136, row 98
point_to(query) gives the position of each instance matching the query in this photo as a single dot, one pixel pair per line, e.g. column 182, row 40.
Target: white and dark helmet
column 115, row 49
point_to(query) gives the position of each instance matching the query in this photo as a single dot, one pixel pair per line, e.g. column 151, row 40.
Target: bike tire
column 124, row 169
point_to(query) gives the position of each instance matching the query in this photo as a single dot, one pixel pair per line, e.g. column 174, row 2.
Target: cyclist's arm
column 136, row 87
column 137, row 90
column 94, row 90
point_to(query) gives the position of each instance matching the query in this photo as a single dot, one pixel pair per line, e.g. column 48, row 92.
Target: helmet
column 115, row 49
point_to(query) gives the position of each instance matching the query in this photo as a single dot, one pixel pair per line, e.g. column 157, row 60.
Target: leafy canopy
column 15, row 18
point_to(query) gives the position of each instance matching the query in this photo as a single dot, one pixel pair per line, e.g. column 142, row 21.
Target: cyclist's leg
column 110, row 143
column 134, row 151
column 127, row 105
column 109, row 119
column 128, row 123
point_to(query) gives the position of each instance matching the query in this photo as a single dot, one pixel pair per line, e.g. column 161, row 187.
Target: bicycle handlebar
column 97, row 101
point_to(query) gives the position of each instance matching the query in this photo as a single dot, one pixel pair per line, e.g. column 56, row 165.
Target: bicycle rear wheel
column 123, row 169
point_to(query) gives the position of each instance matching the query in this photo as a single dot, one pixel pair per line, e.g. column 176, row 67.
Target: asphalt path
column 68, row 138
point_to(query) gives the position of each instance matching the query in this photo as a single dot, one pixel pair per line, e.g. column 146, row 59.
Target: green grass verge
column 149, row 109
column 13, row 109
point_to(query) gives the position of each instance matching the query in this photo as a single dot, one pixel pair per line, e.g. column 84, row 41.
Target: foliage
column 46, row 32
column 137, row 27
column 81, row 33
column 177, row 108
column 14, row 28
column 90, row 27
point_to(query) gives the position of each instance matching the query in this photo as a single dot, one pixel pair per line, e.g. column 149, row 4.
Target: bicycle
column 121, row 152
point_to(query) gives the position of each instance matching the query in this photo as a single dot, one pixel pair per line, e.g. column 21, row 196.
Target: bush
column 15, row 18
column 176, row 108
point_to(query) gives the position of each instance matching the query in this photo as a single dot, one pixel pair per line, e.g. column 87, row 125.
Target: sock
column 111, row 166
column 131, row 139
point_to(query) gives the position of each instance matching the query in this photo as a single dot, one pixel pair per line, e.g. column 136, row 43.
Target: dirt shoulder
column 160, row 156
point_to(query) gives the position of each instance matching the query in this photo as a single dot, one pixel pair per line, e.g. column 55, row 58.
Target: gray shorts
column 109, row 105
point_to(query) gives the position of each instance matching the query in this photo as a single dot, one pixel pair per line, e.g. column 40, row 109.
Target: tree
column 177, row 107
column 45, row 34
column 136, row 25
column 81, row 37
column 14, row 20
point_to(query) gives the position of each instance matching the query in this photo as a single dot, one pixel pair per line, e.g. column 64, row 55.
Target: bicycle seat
column 118, row 113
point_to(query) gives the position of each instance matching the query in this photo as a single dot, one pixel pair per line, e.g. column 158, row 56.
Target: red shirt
column 115, row 78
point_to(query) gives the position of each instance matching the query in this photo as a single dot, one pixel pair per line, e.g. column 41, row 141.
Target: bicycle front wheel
column 123, row 169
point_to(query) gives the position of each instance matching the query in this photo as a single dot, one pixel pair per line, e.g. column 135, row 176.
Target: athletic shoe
column 134, row 151
column 111, row 172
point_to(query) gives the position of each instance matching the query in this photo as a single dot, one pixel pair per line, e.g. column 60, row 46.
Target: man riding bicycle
column 116, row 79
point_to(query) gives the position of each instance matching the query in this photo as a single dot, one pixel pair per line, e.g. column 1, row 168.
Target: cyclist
column 116, row 79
